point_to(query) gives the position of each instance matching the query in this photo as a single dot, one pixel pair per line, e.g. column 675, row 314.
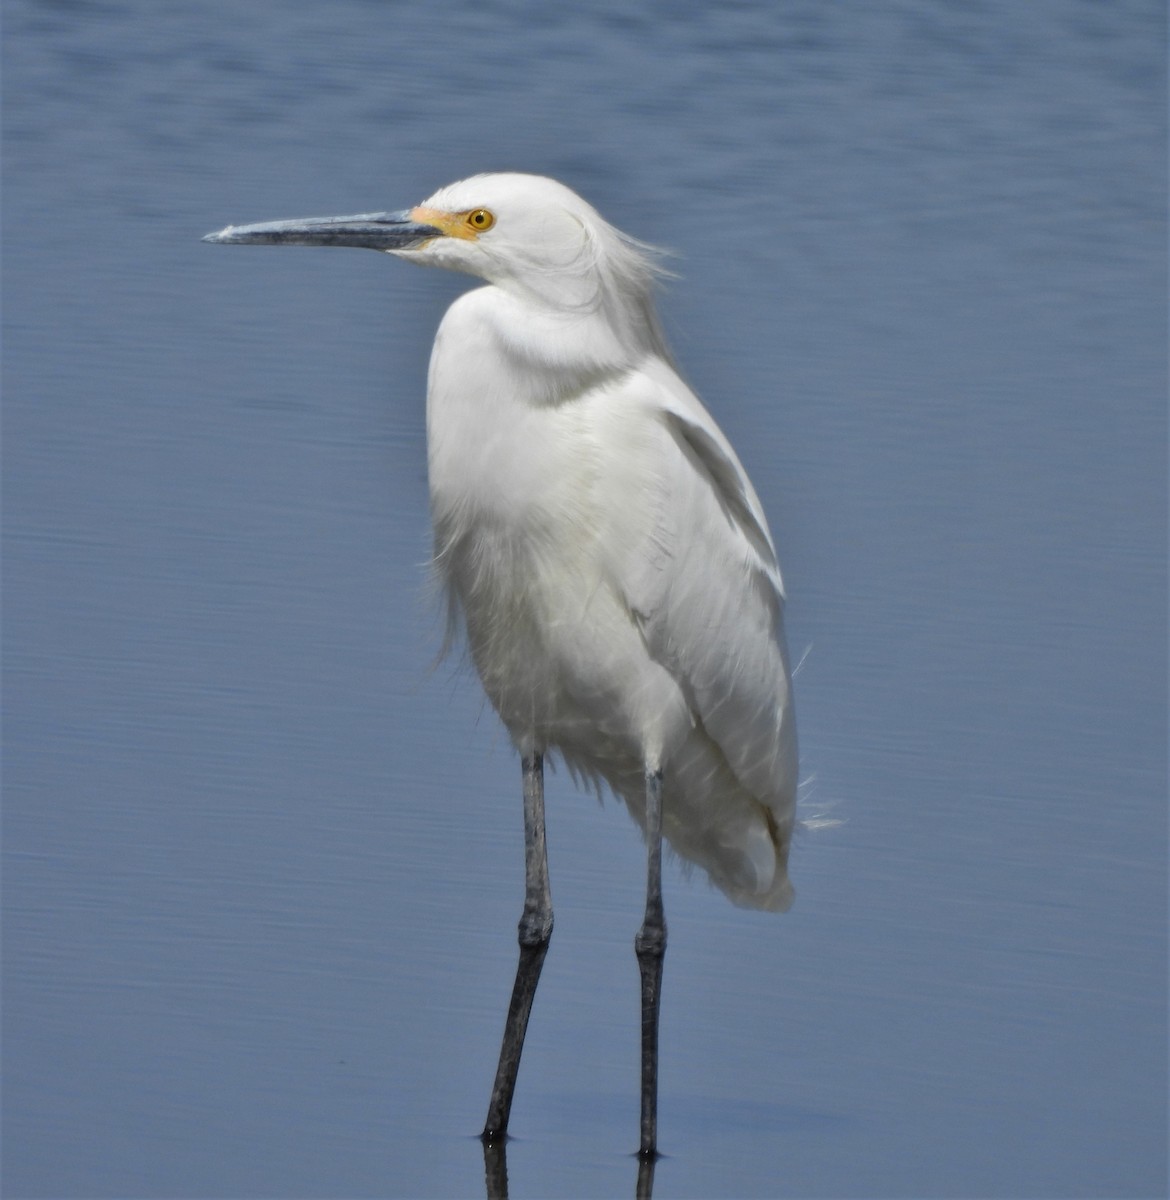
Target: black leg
column 650, row 947
column 535, row 930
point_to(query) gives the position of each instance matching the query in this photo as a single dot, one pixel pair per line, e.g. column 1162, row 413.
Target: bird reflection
column 645, row 1187
column 495, row 1169
column 495, row 1172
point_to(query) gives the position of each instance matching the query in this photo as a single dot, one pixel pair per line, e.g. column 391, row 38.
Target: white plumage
column 600, row 538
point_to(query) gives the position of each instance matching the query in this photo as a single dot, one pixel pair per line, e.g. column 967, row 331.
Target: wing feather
column 707, row 591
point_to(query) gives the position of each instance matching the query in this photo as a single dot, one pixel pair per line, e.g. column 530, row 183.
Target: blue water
column 262, row 861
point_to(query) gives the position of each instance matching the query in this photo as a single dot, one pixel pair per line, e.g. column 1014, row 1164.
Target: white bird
column 605, row 550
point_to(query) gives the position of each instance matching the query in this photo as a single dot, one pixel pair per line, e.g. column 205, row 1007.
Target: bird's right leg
column 650, row 946
column 535, row 931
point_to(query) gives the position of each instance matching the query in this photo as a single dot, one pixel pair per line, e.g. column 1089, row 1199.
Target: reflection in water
column 495, row 1173
column 645, row 1178
column 495, row 1169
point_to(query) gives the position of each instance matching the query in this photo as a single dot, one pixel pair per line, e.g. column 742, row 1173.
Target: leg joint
column 650, row 941
column 535, row 928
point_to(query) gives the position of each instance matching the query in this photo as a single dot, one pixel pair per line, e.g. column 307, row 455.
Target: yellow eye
column 480, row 219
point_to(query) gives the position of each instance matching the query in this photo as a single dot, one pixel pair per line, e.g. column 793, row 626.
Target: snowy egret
column 605, row 551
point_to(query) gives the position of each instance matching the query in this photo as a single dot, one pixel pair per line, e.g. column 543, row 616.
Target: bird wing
column 704, row 586
column 695, row 429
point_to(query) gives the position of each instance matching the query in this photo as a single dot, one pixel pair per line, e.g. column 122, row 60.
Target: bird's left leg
column 650, row 947
column 535, row 931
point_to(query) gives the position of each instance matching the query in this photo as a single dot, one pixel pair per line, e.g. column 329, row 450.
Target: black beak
column 371, row 231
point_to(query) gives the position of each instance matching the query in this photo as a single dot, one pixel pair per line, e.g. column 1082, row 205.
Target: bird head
column 520, row 232
column 527, row 234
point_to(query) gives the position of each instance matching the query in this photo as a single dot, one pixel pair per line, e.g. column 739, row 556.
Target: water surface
column 262, row 862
